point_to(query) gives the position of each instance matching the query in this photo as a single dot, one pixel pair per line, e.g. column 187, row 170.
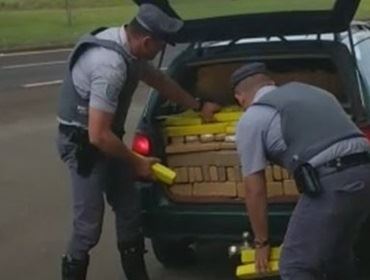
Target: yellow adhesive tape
column 196, row 129
column 233, row 108
column 248, row 271
column 189, row 117
column 231, row 130
column 180, row 121
column 248, row 255
column 164, row 174
column 228, row 116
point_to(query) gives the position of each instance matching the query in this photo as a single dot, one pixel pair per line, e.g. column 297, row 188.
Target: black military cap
column 158, row 23
column 246, row 71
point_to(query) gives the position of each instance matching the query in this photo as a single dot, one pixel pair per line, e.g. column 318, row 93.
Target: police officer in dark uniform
column 305, row 130
column 103, row 73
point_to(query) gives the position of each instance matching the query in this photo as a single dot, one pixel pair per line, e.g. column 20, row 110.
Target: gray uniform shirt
column 101, row 73
column 259, row 139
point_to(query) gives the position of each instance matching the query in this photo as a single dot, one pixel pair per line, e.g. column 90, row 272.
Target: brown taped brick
column 228, row 146
column 290, row 187
column 221, row 174
column 276, row 171
column 219, row 158
column 177, row 140
column 238, row 173
column 274, row 189
column 240, row 189
column 181, row 175
column 191, row 139
column 206, row 138
column 191, row 173
column 220, row 136
column 192, row 147
column 224, row 158
column 285, row 174
column 198, row 174
column 268, row 174
column 213, row 174
column 225, row 189
column 182, row 189
column 230, row 138
column 206, row 176
column 230, row 174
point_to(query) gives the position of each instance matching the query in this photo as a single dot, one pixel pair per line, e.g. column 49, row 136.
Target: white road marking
column 33, row 52
column 42, row 84
column 56, row 82
column 17, row 66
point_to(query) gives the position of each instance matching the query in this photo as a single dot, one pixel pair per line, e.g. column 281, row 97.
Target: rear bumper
column 175, row 221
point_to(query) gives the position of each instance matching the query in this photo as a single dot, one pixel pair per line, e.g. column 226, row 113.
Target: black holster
column 307, row 180
column 86, row 153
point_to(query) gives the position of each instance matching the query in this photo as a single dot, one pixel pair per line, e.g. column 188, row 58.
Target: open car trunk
column 230, row 20
column 208, row 167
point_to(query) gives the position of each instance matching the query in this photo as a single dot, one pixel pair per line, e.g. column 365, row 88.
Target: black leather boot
column 73, row 269
column 132, row 259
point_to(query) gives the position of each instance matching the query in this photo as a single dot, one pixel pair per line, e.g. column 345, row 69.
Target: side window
column 362, row 45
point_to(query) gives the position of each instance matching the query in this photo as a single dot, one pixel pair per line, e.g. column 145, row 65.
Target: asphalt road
column 35, row 198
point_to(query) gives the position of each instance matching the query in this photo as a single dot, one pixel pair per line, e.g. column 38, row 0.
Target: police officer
column 304, row 129
column 103, row 73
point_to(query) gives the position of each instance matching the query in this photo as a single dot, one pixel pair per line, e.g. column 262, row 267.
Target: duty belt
column 70, row 129
column 341, row 163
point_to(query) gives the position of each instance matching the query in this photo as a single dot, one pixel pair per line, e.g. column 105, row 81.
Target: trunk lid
column 233, row 19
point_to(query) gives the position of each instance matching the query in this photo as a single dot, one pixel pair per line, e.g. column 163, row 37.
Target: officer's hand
column 262, row 259
column 143, row 167
column 208, row 111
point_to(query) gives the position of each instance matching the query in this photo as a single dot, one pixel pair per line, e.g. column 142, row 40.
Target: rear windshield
column 197, row 9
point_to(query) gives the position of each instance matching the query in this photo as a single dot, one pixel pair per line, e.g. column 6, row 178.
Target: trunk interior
column 207, row 166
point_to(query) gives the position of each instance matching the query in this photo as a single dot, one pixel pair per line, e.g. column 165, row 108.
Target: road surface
column 35, row 198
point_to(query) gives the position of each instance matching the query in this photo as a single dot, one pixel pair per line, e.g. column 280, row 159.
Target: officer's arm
column 101, row 136
column 167, row 87
column 256, row 203
column 250, row 136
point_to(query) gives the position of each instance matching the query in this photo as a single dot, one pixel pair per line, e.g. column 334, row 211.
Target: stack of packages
column 205, row 160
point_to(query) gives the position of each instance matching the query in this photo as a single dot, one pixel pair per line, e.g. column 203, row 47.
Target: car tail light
column 141, row 144
column 366, row 131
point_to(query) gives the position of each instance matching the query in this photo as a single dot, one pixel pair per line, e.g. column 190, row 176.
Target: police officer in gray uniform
column 305, row 130
column 103, row 73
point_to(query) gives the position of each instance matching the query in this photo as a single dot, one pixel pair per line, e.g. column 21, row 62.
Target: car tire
column 173, row 253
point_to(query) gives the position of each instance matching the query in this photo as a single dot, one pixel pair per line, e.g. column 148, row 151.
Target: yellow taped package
column 233, row 108
column 188, row 117
column 248, row 271
column 228, row 116
column 248, row 255
column 164, row 174
column 180, row 120
column 231, row 129
column 196, row 129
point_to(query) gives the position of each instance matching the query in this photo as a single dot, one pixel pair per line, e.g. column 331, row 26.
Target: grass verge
column 49, row 27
